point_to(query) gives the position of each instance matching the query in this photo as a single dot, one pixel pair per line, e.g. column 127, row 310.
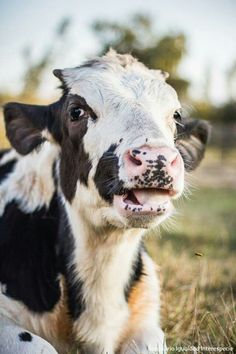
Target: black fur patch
column 7, row 167
column 76, row 302
column 136, row 272
column 3, row 152
column 28, row 261
column 106, row 177
column 25, row 337
column 24, row 126
column 90, row 64
column 34, row 249
column 75, row 163
column 155, row 175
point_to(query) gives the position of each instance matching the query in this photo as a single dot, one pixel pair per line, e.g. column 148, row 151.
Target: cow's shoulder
column 29, row 180
column 29, row 219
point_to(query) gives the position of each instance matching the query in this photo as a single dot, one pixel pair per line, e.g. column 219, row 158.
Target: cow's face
column 124, row 147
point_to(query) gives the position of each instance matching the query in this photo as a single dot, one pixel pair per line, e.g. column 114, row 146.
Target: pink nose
column 153, row 167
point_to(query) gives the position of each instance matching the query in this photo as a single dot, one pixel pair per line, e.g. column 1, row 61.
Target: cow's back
column 29, row 228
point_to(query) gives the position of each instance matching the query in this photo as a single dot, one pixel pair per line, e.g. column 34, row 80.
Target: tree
column 139, row 38
column 35, row 69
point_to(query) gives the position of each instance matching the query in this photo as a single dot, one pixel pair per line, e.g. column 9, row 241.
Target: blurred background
column 196, row 43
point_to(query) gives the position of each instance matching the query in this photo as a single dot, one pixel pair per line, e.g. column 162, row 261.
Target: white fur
column 42, row 325
column 10, row 342
column 31, row 182
column 103, row 262
column 132, row 103
column 9, row 156
column 103, row 259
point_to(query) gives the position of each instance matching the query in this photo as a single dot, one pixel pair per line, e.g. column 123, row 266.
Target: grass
column 3, row 141
column 198, row 272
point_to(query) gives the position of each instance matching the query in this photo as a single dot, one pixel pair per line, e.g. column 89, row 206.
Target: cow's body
column 73, row 270
column 29, row 224
column 36, row 292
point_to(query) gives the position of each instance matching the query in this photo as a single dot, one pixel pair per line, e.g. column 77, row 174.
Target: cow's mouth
column 146, row 201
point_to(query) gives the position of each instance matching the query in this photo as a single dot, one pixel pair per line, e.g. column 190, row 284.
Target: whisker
column 105, row 158
column 107, row 180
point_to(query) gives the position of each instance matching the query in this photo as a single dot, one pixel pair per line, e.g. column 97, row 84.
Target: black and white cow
column 85, row 177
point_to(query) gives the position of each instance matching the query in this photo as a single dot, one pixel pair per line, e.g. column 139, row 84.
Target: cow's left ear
column 191, row 141
column 28, row 126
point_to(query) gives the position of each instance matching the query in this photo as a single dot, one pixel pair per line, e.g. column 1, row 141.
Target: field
column 196, row 255
column 3, row 141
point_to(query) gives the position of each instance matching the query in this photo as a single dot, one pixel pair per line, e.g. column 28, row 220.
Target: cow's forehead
column 109, row 83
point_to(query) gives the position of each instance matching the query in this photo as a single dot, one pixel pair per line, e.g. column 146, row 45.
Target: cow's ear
column 160, row 74
column 191, row 141
column 27, row 126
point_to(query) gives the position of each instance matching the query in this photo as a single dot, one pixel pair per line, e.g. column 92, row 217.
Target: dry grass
column 3, row 140
column 198, row 291
column 198, row 301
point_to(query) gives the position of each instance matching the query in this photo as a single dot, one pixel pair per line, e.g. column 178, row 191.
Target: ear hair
column 23, row 133
column 58, row 74
column 25, row 125
column 160, row 74
column 192, row 138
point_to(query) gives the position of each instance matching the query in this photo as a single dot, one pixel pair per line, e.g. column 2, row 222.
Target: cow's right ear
column 191, row 141
column 27, row 126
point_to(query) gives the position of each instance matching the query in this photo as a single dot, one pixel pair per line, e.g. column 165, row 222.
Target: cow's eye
column 76, row 113
column 178, row 115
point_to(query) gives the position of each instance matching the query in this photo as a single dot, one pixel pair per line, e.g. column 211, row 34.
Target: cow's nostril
column 134, row 157
column 135, row 160
column 173, row 162
column 135, row 152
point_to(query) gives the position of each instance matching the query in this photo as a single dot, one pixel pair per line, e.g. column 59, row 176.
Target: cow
column 83, row 180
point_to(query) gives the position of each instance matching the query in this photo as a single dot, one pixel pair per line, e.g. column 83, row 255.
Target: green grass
column 206, row 224
column 198, row 292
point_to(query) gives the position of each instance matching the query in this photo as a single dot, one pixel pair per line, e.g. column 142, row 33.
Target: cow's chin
column 143, row 208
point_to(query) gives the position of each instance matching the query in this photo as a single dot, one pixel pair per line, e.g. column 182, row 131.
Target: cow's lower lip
column 147, row 201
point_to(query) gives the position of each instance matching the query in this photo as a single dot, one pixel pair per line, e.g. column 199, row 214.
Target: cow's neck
column 103, row 254
column 104, row 261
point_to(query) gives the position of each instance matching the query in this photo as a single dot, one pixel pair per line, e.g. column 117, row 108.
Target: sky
column 209, row 25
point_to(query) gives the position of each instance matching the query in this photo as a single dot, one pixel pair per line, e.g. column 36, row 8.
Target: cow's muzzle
column 154, row 176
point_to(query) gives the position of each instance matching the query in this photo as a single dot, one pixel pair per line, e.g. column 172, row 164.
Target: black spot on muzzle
column 107, row 175
column 155, row 175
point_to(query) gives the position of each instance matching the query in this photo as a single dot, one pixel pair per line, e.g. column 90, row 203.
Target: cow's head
column 124, row 146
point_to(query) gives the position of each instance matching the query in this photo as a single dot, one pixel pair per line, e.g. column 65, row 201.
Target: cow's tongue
column 151, row 197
